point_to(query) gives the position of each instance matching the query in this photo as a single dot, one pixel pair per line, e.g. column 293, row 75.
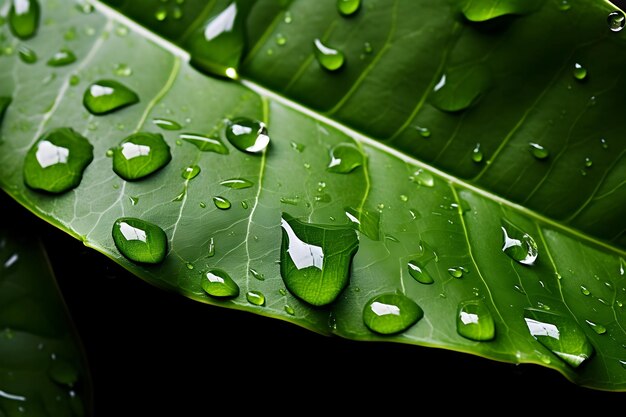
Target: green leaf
column 42, row 369
column 405, row 211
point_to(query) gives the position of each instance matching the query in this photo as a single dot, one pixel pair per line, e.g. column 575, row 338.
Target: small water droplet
column 367, row 48
column 247, row 135
column 27, row 55
column 616, row 20
column 139, row 240
column 74, row 80
column 598, row 328
column 217, row 283
column 191, row 172
column 237, row 183
column 519, row 289
column 205, row 143
column 518, row 245
column 211, row 249
column 288, row 18
column 121, row 30
column 391, row 313
column 181, row 195
column 348, row 7
column 56, row 161
column 457, row 271
column 189, row 266
column 290, row 200
column 61, row 58
column 202, row 204
column 140, row 155
column 588, row 162
column 477, row 154
column 328, row 58
column 122, row 70
column 106, row 96
column 133, row 200
column 404, row 198
column 365, row 221
column 84, row 7
column 603, row 301
column 344, row 158
column 460, row 88
column 160, row 14
column 255, row 297
column 564, row 5
column 423, row 131
column 623, row 363
column 604, row 143
column 423, row 178
column 166, row 124
column 416, row 270
column 289, row 310
column 579, row 72
column 244, row 204
column 177, row 13
column 538, row 151
column 24, row 18
column 256, row 274
column 474, row 321
column 298, row 147
column 221, row 203
column 584, row 290
column 281, row 39
column 315, row 259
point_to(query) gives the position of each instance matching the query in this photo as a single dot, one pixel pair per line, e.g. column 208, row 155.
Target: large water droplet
column 474, row 321
column 27, row 55
column 140, row 155
column 423, row 178
column 255, row 297
column 416, row 270
column 216, row 47
column 61, row 58
column 166, row 124
column 616, row 20
column 459, row 88
column 538, row 151
column 237, row 183
column 24, row 18
column 139, row 240
column 348, row 7
column 365, row 221
column 247, row 135
column 344, row 158
column 598, row 328
column 56, row 162
column 328, row 58
column 391, row 313
column 518, row 245
column 560, row 334
column 191, row 172
column 106, row 96
column 315, row 259
column 205, row 143
column 221, row 203
column 217, row 283
column 579, row 72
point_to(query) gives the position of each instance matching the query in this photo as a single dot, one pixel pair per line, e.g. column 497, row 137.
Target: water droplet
column 348, row 7
column 298, row 147
column 281, row 39
column 365, row 221
column 24, row 18
column 288, row 18
column 237, row 183
column 216, row 46
column 460, row 88
column 256, row 274
column 106, row 96
column 27, row 55
column 404, row 198
column 84, row 7
column 189, row 266
column 247, row 135
column 255, row 297
column 205, row 143
column 121, row 30
column 477, row 154
column 244, row 204
column 616, row 20
column 391, row 313
column 474, row 321
column 289, row 310
column 328, row 58
column 221, row 203
column 61, row 58
column 423, row 131
column 315, row 259
column 564, row 5
column 122, row 70
column 56, row 162
column 63, row 372
column 140, row 155
column 584, row 290
column 457, row 271
column 579, row 72
column 139, row 240
column 538, row 151
column 416, row 270
column 519, row 289
column 282, row 291
column 588, row 162
column 598, row 328
column 560, row 334
column 166, row 124
column 290, row 200
column 423, row 178
column 604, row 143
column 74, row 80
column 133, row 200
column 191, row 172
column 217, row 283
column 344, row 158
column 623, row 363
column 177, row 13
column 518, row 245
column 367, row 48
column 160, row 14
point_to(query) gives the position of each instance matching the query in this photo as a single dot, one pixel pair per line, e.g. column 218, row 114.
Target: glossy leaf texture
column 42, row 369
column 403, row 210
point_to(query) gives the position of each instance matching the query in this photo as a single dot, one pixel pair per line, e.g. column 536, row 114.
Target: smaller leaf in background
column 56, row 162
column 247, row 135
column 474, row 321
column 106, row 96
column 391, row 313
column 329, row 58
column 24, row 18
column 140, row 155
column 139, row 240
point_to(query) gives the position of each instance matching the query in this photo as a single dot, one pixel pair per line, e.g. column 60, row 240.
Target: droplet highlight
column 190, row 172
column 365, row 221
column 166, row 124
column 416, row 270
column 423, row 178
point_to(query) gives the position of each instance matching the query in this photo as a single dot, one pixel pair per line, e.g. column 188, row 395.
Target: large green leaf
column 424, row 215
column 42, row 370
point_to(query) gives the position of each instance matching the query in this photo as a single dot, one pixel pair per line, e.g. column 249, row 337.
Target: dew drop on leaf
column 391, row 313
column 579, row 72
column 289, row 310
column 221, row 203
column 344, row 158
column 247, row 135
column 56, row 161
column 256, row 274
column 477, row 154
column 62, row 58
column 518, row 245
column 27, row 55
column 616, row 20
column 205, row 143
column 348, row 7
column 584, row 290
column 24, row 18
column 365, row 221
column 217, row 283
column 139, row 240
column 166, row 124
column 416, row 270
column 190, row 172
column 140, row 155
column 457, row 271
column 474, row 321
column 329, row 58
column 256, row 298
column 423, row 178
column 538, row 151
column 106, row 96
column 598, row 328
column 237, row 183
